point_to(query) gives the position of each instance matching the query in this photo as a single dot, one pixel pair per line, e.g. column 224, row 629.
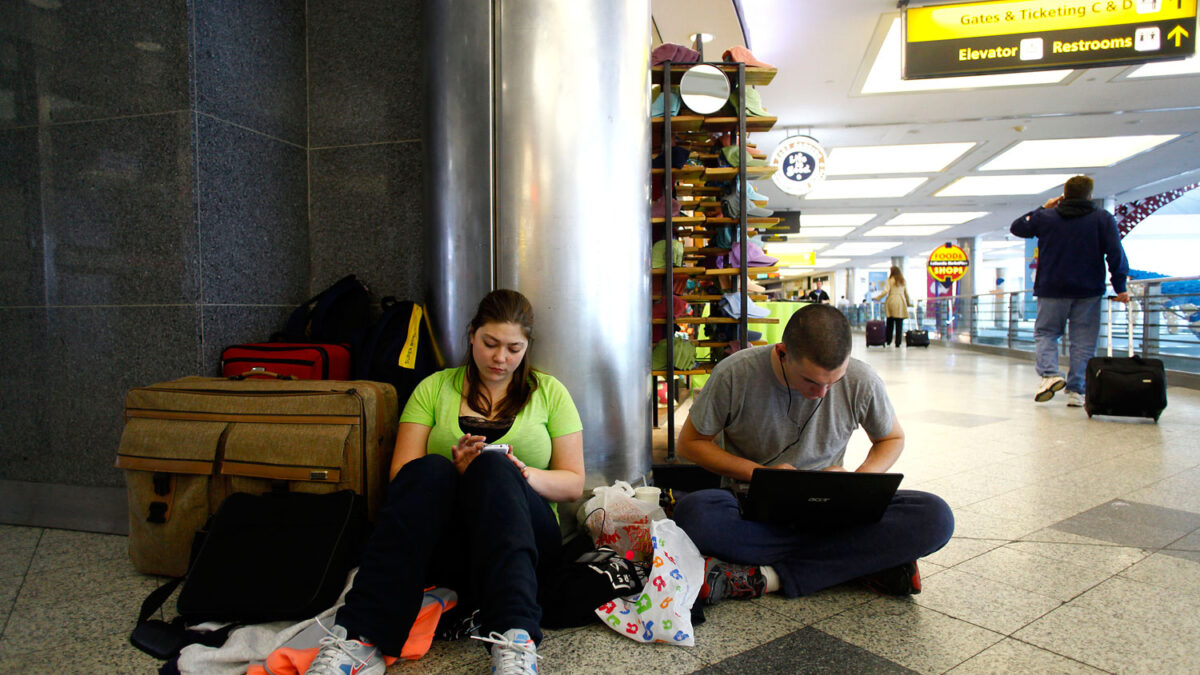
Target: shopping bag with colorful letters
column 662, row 612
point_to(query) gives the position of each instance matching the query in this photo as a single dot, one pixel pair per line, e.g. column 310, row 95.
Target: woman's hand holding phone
column 465, row 451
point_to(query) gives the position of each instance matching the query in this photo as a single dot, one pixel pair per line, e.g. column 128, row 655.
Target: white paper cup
column 647, row 494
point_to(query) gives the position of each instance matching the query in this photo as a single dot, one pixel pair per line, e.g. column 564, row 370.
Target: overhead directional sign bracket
column 1005, row 36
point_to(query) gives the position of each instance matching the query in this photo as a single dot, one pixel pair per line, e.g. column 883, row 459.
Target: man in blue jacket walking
column 1074, row 241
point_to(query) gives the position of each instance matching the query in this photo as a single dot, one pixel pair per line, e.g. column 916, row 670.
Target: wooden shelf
column 726, row 173
column 682, row 220
column 749, row 221
column 754, row 75
column 702, row 368
column 717, row 343
column 686, row 173
column 680, row 270
column 679, row 123
column 731, row 123
column 757, row 297
column 730, row 271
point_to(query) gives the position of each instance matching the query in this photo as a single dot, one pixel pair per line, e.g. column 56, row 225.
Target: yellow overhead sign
column 1002, row 36
column 808, row 258
column 1008, row 17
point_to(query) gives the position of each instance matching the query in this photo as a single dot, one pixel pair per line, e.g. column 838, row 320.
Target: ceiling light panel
column 826, row 232
column 830, row 262
column 936, row 217
column 976, row 186
column 790, row 248
column 835, row 219
column 1061, row 153
column 862, row 247
column 864, row 188
column 906, row 230
column 1188, row 66
column 885, row 74
column 875, row 159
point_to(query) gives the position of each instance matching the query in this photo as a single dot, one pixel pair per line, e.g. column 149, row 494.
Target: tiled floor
column 1077, row 550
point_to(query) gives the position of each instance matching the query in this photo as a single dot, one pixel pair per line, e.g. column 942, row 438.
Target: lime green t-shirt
column 550, row 413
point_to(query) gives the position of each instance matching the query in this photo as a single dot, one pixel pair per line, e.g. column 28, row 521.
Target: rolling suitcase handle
column 1112, row 299
column 260, row 371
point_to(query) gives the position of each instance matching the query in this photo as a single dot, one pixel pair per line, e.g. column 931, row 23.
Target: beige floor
column 1077, row 550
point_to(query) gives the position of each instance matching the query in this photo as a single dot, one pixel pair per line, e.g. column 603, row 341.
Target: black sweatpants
column 485, row 534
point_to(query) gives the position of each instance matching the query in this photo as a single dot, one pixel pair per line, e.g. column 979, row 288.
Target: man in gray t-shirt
column 795, row 405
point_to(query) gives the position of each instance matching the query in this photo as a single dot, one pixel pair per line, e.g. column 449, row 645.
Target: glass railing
column 1165, row 314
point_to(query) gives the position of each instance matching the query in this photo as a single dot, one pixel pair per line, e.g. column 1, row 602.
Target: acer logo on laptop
column 819, row 499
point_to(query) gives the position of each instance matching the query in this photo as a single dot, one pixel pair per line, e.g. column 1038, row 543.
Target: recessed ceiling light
column 1061, row 153
column 881, row 265
column 862, row 247
column 885, row 74
column 935, row 217
column 906, row 230
column 826, row 232
column 834, row 219
column 873, row 159
column 974, row 186
column 792, row 247
column 1188, row 66
column 863, row 188
column 830, row 262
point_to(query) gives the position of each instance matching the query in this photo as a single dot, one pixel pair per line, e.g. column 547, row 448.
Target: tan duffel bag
column 189, row 443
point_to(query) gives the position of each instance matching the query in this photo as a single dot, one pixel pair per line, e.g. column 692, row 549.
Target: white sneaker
column 1050, row 384
column 1074, row 399
column 513, row 653
column 341, row 656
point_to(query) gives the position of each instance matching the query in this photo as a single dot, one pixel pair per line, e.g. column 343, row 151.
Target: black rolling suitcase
column 916, row 338
column 876, row 334
column 1133, row 386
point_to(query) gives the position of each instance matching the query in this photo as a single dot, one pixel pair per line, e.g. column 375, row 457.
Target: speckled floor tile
column 65, row 548
column 960, row 549
column 733, row 627
column 1168, row 571
column 975, row 525
column 107, row 654
column 806, row 651
column 71, row 622
column 459, row 656
column 8, row 594
column 809, row 609
column 1107, row 558
column 599, row 650
column 1132, row 523
column 1189, row 543
column 1034, row 573
column 1012, row 656
column 1124, row 626
column 16, row 536
column 14, row 563
column 907, row 634
column 65, row 585
column 983, row 602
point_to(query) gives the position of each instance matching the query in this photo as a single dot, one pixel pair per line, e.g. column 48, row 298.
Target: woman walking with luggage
column 895, row 307
column 477, row 520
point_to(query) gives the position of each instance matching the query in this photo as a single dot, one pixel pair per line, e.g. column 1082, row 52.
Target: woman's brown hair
column 897, row 275
column 501, row 306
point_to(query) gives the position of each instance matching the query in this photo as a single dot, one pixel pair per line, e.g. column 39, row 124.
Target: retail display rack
column 699, row 191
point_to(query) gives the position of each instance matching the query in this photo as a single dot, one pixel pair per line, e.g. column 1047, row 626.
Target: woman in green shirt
column 479, row 522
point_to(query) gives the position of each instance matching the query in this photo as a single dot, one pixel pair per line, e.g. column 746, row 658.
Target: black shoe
column 900, row 580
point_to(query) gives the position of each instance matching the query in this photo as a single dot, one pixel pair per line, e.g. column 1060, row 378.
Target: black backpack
column 339, row 314
column 399, row 348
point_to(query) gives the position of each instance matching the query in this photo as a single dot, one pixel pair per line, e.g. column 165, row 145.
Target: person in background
column 818, row 295
column 1075, row 239
column 479, row 522
column 896, row 305
column 795, row 405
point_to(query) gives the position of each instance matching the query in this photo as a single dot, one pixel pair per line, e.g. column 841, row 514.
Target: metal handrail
column 1166, row 325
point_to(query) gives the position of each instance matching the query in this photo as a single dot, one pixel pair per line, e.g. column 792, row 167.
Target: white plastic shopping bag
column 662, row 612
column 616, row 519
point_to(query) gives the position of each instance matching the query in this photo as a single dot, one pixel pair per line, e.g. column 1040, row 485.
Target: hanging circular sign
column 799, row 163
column 948, row 264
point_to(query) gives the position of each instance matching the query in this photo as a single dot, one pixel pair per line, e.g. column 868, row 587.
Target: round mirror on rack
column 704, row 89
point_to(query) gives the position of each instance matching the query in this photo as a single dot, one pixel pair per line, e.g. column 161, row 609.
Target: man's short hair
column 1078, row 187
column 819, row 333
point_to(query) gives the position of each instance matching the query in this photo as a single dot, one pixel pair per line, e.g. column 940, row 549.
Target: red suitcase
column 303, row 361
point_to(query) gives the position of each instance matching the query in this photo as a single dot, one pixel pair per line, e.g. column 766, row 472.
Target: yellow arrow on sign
column 1178, row 33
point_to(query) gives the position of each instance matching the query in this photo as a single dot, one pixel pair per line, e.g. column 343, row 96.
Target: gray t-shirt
column 743, row 399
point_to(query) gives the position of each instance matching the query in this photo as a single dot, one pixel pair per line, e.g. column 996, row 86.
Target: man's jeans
column 1053, row 315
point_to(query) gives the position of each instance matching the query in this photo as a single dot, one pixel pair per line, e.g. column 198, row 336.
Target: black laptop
column 818, row 499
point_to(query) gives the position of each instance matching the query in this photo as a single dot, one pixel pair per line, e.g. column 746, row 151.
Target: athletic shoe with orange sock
column 725, row 581
column 899, row 580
